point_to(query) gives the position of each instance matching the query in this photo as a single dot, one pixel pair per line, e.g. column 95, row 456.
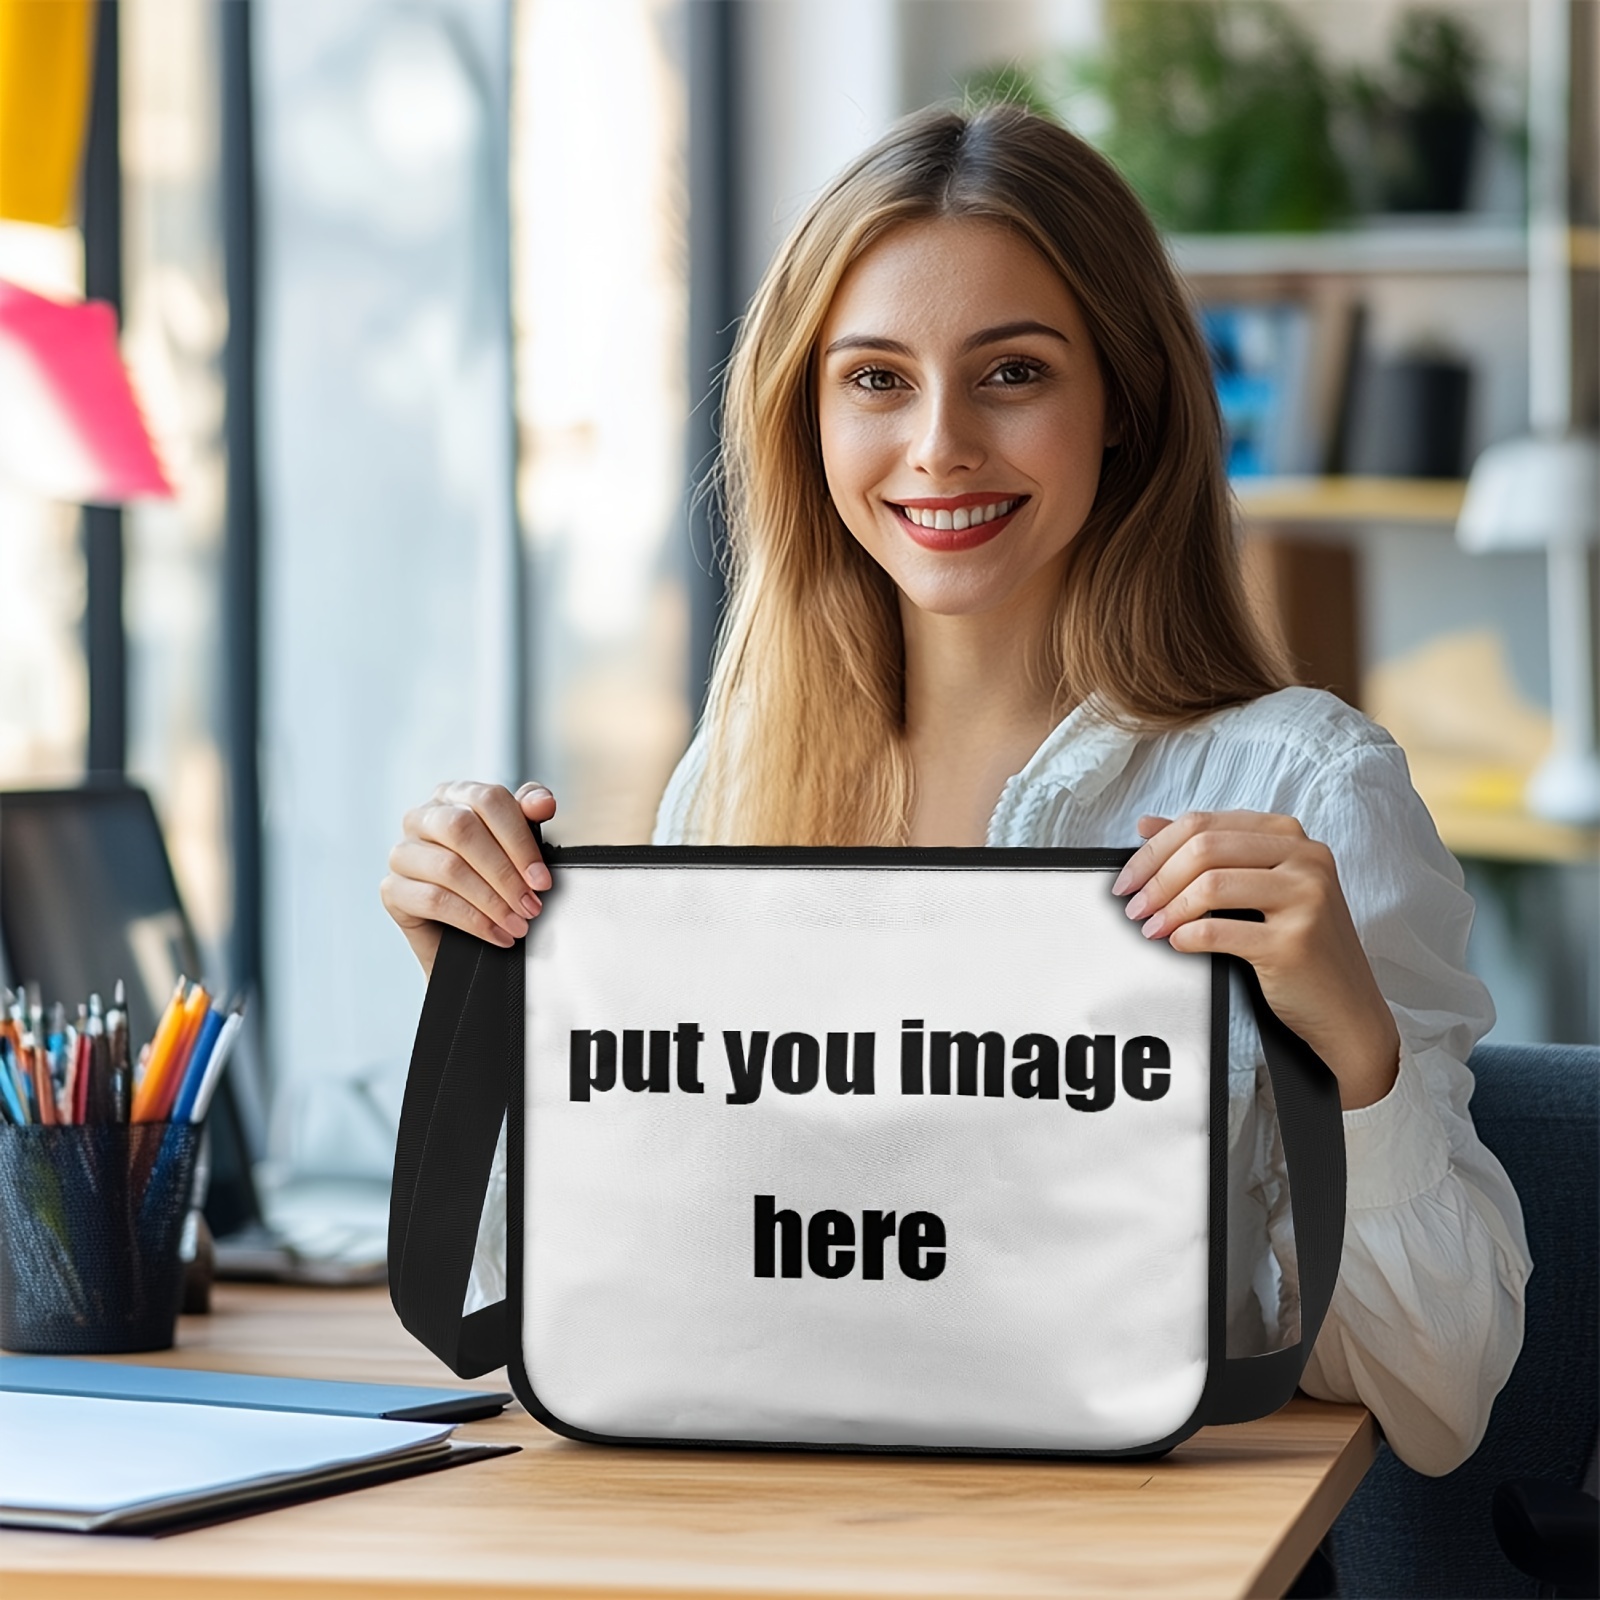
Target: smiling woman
column 976, row 306
column 986, row 591
column 940, row 433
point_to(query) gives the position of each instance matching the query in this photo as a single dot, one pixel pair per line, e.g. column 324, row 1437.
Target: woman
column 986, row 590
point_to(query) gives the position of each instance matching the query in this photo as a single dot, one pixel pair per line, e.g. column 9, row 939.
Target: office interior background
column 424, row 305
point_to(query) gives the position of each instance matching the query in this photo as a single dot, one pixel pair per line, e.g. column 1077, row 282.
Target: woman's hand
column 1307, row 954
column 468, row 859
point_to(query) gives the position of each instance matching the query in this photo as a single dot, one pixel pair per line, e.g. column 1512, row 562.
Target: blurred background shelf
column 1478, row 809
column 1584, row 252
column 1429, row 246
column 1350, row 500
column 1487, row 835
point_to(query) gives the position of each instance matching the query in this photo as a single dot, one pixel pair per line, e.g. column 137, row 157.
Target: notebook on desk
column 83, row 1465
column 120, row 1380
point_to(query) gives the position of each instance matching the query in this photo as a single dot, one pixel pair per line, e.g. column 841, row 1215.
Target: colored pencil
column 147, row 1091
column 194, row 1016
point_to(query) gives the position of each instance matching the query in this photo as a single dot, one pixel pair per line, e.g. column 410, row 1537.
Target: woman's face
column 962, row 414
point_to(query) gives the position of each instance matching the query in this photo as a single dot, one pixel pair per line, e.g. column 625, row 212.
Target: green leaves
column 1221, row 116
column 1224, row 117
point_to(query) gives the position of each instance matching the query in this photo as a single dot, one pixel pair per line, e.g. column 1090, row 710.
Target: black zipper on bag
column 925, row 859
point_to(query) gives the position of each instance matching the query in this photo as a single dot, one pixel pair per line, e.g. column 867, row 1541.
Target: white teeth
column 966, row 517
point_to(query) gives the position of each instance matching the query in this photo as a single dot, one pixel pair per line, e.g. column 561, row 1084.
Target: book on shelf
column 1261, row 360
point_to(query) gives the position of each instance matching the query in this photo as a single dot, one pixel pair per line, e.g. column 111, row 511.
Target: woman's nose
column 945, row 437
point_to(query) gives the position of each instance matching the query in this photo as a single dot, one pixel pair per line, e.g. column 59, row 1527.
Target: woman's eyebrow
column 866, row 341
column 1006, row 330
column 1011, row 330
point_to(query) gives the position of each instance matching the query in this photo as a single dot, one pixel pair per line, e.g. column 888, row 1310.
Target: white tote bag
column 862, row 1149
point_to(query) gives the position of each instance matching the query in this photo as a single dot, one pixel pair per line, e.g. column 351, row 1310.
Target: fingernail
column 538, row 876
column 1123, row 879
column 1140, row 903
column 502, row 938
column 1155, row 926
column 530, row 906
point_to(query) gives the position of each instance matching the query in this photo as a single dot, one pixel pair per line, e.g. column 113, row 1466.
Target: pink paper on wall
column 70, row 427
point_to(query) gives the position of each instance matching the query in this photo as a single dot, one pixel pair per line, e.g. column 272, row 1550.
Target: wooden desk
column 1235, row 1511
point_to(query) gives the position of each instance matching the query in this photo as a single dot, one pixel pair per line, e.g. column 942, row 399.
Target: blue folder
column 108, row 1380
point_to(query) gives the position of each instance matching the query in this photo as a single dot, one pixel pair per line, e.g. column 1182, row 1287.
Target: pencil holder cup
column 91, row 1220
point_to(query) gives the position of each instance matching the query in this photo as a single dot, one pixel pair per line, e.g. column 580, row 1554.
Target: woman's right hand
column 467, row 859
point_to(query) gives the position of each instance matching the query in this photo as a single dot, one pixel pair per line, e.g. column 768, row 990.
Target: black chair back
column 1537, row 1107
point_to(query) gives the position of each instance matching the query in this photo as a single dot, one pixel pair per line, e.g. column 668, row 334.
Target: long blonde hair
column 805, row 714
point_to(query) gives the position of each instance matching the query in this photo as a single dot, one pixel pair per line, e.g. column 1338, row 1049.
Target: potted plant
column 1218, row 112
column 1419, row 124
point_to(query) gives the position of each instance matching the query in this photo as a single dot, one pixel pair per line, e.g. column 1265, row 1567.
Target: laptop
column 87, row 896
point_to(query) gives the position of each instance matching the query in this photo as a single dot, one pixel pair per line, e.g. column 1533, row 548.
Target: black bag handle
column 467, row 1046
column 1312, row 1124
column 455, row 1102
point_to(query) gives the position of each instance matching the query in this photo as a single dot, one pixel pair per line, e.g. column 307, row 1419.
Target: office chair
column 1537, row 1107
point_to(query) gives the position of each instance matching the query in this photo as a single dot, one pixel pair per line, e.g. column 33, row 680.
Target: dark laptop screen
column 86, row 897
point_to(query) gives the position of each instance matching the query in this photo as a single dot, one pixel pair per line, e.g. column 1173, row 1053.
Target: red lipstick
column 953, row 539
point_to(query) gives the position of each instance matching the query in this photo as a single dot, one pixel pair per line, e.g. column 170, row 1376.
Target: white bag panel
column 1071, row 1311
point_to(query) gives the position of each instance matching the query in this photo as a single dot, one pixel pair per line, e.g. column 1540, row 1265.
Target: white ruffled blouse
column 1426, row 1320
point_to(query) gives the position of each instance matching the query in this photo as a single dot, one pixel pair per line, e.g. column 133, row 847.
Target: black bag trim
column 922, row 858
column 449, row 1124
column 467, row 1077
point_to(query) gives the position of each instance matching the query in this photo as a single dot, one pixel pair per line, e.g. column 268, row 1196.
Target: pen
column 11, row 1040
column 21, row 1081
column 70, row 1036
column 55, row 1045
column 69, row 1089
column 41, row 1056
column 95, row 1093
column 16, row 1108
column 33, row 1069
column 35, row 1012
column 117, row 1049
column 83, row 1106
column 219, row 1059
column 199, row 1062
column 43, row 1084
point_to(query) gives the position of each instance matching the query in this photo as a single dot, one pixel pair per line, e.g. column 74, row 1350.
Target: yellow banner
column 45, row 64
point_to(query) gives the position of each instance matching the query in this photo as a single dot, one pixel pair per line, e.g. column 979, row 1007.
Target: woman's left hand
column 1307, row 954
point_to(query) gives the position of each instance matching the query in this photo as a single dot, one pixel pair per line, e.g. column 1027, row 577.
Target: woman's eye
column 1016, row 374
column 878, row 380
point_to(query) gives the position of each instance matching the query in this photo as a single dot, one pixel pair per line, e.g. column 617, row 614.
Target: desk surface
column 1234, row 1511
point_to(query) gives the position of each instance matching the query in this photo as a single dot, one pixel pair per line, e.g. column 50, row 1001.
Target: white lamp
column 1543, row 492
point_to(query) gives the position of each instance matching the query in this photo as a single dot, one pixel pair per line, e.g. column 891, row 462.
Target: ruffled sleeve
column 1426, row 1320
